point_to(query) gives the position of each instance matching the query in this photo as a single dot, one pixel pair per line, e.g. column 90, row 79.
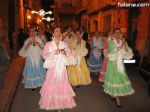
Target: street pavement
column 91, row 98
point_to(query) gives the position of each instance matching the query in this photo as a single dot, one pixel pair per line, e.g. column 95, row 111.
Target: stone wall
column 143, row 30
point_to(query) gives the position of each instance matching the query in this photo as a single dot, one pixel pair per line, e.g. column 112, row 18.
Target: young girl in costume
column 56, row 92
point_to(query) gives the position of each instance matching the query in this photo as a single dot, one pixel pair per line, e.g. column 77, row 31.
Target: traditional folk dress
column 33, row 73
column 105, row 61
column 116, row 81
column 56, row 92
column 95, row 60
column 79, row 74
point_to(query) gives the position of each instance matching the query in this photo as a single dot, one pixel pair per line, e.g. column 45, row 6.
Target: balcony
column 80, row 7
column 95, row 6
column 110, row 2
column 64, row 8
column 86, row 5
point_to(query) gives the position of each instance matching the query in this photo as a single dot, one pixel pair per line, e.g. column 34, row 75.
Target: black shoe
column 96, row 74
column 33, row 89
column 119, row 106
column 112, row 98
column 78, row 86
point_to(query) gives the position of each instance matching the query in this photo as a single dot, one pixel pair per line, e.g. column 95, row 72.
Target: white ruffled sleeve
column 127, row 54
column 23, row 51
column 70, row 57
column 83, row 51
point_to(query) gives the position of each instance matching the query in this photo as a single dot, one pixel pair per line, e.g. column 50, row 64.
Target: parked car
column 144, row 69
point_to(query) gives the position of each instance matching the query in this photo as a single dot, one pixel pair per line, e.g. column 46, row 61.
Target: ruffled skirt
column 116, row 83
column 56, row 93
column 33, row 76
column 79, row 74
column 94, row 65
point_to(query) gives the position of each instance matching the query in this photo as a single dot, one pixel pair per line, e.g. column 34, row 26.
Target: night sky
column 45, row 4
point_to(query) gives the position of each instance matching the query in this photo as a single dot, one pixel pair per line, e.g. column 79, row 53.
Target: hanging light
column 48, row 19
column 42, row 13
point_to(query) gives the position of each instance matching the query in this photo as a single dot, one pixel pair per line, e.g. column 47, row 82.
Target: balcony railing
column 64, row 8
column 90, row 7
column 80, row 7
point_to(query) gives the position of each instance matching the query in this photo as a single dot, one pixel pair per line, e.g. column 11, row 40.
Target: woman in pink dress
column 104, row 65
column 56, row 92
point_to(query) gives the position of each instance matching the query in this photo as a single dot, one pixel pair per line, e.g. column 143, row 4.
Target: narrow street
column 90, row 98
column 74, row 29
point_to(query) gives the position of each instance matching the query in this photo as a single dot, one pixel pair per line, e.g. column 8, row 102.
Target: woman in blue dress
column 95, row 60
column 33, row 73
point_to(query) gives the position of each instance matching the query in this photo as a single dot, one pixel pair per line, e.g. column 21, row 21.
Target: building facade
column 100, row 15
column 14, row 14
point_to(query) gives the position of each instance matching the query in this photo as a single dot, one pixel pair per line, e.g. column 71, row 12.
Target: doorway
column 95, row 23
column 133, row 26
column 107, row 23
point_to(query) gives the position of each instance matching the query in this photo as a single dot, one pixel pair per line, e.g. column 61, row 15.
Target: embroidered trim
column 93, row 65
column 117, row 85
column 32, row 86
column 55, row 96
column 102, row 73
column 78, row 76
column 35, row 78
column 101, row 80
column 120, row 94
column 94, row 70
column 57, row 107
column 81, row 84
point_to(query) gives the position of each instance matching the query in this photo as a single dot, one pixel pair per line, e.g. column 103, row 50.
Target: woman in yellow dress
column 79, row 73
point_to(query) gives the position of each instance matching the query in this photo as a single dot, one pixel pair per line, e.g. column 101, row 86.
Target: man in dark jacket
column 84, row 34
column 21, row 38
